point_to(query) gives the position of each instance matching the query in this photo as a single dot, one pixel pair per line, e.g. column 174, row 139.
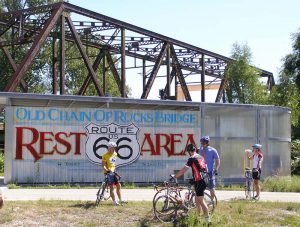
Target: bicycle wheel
column 165, row 209
column 215, row 200
column 190, row 202
column 160, row 192
column 103, row 193
column 209, row 202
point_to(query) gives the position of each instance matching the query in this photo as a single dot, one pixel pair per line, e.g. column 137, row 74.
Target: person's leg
column 111, row 188
column 200, row 202
column 118, row 186
column 212, row 185
column 199, row 199
column 256, row 187
column 112, row 192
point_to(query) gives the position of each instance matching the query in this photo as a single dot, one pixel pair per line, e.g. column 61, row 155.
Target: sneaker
column 207, row 220
column 256, row 197
column 116, row 203
column 123, row 202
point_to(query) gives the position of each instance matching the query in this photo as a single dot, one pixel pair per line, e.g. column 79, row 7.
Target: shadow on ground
column 85, row 205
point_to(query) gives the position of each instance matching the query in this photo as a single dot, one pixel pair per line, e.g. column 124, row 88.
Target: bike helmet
column 204, row 139
column 257, row 146
column 112, row 144
column 191, row 147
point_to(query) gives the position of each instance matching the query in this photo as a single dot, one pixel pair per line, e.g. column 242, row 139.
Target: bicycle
column 210, row 202
column 104, row 191
column 168, row 202
column 249, row 186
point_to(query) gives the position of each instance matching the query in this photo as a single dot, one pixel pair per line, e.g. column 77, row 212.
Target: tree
column 243, row 80
column 287, row 91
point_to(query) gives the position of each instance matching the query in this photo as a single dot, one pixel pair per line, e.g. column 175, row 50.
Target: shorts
column 112, row 178
column 200, row 187
column 256, row 174
column 211, row 181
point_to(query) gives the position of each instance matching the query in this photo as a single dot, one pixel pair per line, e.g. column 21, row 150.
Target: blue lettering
column 21, row 114
column 53, row 114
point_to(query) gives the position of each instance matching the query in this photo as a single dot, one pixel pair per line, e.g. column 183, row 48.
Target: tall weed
column 282, row 184
column 1, row 163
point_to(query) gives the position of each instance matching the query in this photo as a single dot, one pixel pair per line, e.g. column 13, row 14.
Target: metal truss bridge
column 118, row 42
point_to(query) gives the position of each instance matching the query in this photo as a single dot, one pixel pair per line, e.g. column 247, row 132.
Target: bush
column 295, row 156
column 1, row 163
column 282, row 184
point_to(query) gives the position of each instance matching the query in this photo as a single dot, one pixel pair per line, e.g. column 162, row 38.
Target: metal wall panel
column 64, row 145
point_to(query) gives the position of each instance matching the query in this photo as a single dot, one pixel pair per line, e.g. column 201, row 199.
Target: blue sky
column 264, row 25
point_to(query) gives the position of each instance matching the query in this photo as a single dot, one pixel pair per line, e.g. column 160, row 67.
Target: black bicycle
column 103, row 192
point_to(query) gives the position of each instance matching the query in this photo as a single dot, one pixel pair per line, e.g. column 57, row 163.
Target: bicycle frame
column 248, row 184
column 170, row 199
column 103, row 192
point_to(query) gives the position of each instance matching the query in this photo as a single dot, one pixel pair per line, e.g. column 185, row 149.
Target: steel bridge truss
column 117, row 42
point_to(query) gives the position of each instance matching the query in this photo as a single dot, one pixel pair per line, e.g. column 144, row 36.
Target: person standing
column 257, row 158
column 213, row 162
column 197, row 164
column 109, row 166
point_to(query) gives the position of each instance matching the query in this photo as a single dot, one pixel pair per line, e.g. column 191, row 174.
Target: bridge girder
column 112, row 37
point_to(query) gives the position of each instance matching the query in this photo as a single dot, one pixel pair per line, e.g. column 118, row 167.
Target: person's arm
column 260, row 161
column 181, row 172
column 250, row 157
column 104, row 166
column 217, row 164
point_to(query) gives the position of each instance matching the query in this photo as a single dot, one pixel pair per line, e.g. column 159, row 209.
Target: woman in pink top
column 257, row 158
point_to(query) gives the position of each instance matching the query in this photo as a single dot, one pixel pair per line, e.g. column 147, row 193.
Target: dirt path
column 128, row 194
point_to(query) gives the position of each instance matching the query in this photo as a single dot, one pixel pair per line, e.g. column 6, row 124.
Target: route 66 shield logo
column 125, row 136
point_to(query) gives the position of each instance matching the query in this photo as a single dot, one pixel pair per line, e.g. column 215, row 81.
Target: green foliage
column 282, row 184
column 243, row 84
column 1, row 163
column 287, row 91
column 295, row 156
column 38, row 78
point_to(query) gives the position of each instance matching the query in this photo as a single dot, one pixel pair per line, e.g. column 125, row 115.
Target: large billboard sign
column 54, row 144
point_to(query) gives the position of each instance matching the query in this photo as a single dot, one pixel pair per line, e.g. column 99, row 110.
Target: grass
column 282, row 184
column 270, row 184
column 78, row 213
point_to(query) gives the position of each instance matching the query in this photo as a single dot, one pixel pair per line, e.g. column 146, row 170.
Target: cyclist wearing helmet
column 197, row 164
column 212, row 160
column 257, row 158
column 108, row 167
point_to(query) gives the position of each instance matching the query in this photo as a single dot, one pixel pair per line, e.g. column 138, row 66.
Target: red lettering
column 43, row 140
column 159, row 144
column 77, row 141
column 20, row 143
column 167, row 142
column 63, row 142
column 148, row 140
column 190, row 140
column 173, row 146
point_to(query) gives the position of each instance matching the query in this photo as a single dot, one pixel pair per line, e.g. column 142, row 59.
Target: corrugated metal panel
column 61, row 138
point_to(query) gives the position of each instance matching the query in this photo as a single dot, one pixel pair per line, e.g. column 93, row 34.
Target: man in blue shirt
column 212, row 160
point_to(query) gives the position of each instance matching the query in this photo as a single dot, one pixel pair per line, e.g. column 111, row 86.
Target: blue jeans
column 211, row 181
